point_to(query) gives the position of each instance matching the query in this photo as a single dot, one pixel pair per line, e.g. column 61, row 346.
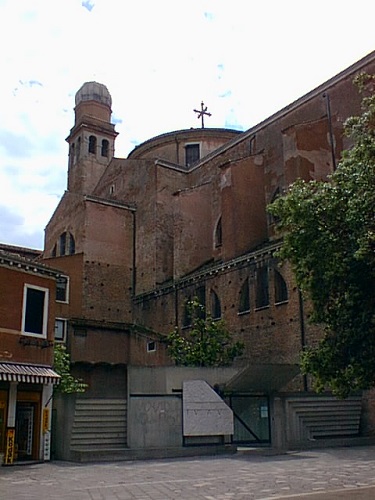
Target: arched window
column 219, row 234
column 62, row 244
column 200, row 297
column 72, row 245
column 66, row 245
column 105, row 147
column 92, row 144
column 187, row 317
column 72, row 154
column 244, row 305
column 215, row 306
column 262, row 289
column 78, row 149
column 274, row 219
column 281, row 290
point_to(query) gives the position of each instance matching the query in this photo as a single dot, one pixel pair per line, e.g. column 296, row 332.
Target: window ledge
column 243, row 313
column 281, row 303
column 262, row 308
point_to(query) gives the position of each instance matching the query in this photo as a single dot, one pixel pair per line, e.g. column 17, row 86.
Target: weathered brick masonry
column 151, row 231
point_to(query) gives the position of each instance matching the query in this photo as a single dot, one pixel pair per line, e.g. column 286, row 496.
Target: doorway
column 251, row 419
column 26, row 431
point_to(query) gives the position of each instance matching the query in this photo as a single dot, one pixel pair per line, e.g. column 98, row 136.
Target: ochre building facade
column 27, row 323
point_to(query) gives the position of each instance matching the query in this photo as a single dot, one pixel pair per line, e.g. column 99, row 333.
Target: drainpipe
column 330, row 129
column 302, row 331
column 176, row 306
column 134, row 277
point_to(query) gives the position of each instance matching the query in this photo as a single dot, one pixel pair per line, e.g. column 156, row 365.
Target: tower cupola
column 94, row 91
column 92, row 139
column 93, row 99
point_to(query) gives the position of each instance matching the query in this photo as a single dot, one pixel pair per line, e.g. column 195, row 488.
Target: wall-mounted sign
column 6, row 355
column 47, row 446
column 45, row 420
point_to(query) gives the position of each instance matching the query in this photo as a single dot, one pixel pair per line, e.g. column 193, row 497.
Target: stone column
column 278, row 423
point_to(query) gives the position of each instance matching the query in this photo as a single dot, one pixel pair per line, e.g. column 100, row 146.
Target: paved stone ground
column 329, row 474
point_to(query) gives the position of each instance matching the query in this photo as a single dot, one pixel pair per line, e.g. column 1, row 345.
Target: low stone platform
column 124, row 454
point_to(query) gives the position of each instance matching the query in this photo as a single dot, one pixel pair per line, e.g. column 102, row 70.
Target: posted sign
column 45, row 420
column 9, row 448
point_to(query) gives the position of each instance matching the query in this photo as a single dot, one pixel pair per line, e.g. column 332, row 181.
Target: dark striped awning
column 33, row 374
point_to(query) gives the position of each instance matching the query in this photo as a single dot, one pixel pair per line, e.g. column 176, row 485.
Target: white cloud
column 159, row 60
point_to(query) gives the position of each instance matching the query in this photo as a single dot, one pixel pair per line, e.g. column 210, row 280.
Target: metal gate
column 251, row 419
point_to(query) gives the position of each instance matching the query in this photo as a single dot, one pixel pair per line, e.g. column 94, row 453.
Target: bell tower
column 92, row 139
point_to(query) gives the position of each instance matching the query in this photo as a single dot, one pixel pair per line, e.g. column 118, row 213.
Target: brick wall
column 33, row 350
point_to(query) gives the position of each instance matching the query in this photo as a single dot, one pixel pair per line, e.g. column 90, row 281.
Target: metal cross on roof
column 202, row 112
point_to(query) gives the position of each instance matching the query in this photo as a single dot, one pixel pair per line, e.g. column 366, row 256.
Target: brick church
column 184, row 215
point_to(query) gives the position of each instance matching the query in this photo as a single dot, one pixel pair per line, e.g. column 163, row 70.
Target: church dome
column 94, row 91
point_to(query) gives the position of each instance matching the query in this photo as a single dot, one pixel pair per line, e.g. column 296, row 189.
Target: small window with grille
column 60, row 329
column 62, row 289
column 151, row 346
column 192, row 154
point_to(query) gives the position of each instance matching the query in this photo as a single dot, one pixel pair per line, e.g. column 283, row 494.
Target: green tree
column 68, row 384
column 328, row 231
column 208, row 343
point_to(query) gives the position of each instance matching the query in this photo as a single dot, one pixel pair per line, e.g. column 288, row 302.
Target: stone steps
column 322, row 417
column 99, row 423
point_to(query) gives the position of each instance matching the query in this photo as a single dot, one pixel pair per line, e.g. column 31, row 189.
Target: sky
column 159, row 59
